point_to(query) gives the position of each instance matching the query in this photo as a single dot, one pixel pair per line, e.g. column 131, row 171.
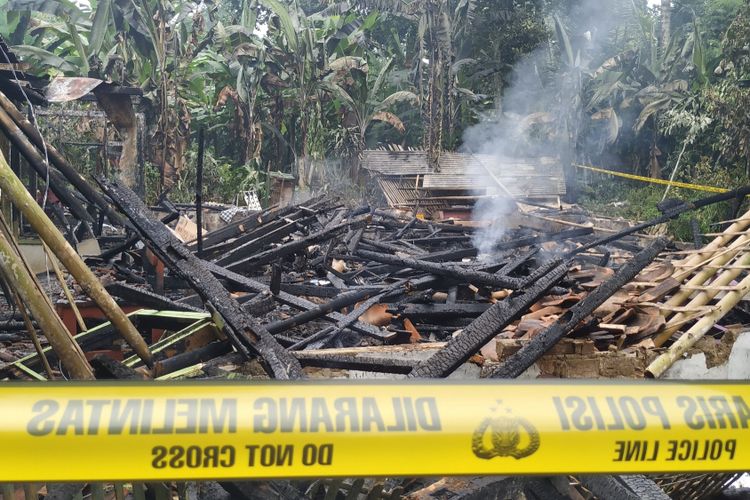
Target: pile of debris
column 319, row 289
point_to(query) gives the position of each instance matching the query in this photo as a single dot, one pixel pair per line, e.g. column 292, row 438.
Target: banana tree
column 68, row 40
column 361, row 97
column 646, row 80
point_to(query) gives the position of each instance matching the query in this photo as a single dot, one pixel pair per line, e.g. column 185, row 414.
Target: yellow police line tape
column 212, row 430
column 696, row 187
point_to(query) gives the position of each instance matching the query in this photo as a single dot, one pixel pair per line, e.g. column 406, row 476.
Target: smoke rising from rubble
column 537, row 115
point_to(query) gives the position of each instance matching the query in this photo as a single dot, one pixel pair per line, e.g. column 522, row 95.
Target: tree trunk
column 666, row 22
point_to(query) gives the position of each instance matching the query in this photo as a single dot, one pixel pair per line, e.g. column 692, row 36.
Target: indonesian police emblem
column 503, row 434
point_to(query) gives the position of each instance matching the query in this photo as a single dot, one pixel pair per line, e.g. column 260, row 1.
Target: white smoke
column 538, row 114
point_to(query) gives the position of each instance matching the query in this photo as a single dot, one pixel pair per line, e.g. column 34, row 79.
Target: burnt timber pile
column 323, row 289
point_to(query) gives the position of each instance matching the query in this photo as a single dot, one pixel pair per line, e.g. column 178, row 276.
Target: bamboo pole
column 17, row 276
column 701, row 299
column 720, row 241
column 34, row 337
column 16, row 191
column 697, row 331
column 709, row 269
column 66, row 289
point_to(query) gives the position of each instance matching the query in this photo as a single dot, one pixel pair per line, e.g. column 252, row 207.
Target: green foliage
column 274, row 82
column 634, row 200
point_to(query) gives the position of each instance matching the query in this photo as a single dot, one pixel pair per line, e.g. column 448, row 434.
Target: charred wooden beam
column 390, row 247
column 106, row 368
column 252, row 285
column 295, row 246
column 190, row 358
column 394, row 222
column 273, row 233
column 146, row 298
column 259, row 305
column 436, row 312
column 324, row 336
column 455, row 272
column 485, row 327
column 322, row 359
column 516, row 364
column 247, row 336
column 543, row 238
column 247, row 224
column 343, row 300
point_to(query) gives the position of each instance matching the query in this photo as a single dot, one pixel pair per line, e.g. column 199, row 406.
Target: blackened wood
column 326, row 335
column 454, row 254
column 388, row 247
column 543, row 238
column 394, row 222
column 146, row 298
column 295, row 246
column 406, row 227
column 485, row 327
column 444, row 269
column 517, row 262
column 273, row 232
column 248, row 336
column 106, row 368
column 341, row 362
column 436, row 312
column 252, row 285
column 355, row 238
column 247, row 224
column 108, row 254
column 259, row 305
column 516, row 364
column 343, row 300
column 668, row 215
column 276, row 278
column 190, row 358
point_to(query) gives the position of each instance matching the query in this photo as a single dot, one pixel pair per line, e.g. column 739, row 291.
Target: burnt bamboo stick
column 485, row 327
column 516, row 364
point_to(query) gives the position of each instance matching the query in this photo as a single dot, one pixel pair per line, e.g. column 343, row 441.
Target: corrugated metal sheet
column 395, row 162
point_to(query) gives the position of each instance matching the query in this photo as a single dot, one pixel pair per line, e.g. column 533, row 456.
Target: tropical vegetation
column 658, row 90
